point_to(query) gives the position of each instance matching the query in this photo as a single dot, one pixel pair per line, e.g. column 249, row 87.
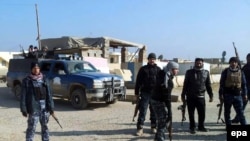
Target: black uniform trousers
column 199, row 104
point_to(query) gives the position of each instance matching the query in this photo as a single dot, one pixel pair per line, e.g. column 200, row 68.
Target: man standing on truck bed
column 36, row 101
column 145, row 87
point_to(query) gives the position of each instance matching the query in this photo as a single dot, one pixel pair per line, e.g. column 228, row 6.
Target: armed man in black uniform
column 196, row 83
column 145, row 87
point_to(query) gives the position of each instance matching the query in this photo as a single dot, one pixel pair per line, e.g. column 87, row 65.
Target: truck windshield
column 76, row 67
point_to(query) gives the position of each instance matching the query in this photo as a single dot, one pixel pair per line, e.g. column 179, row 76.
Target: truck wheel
column 78, row 99
column 17, row 91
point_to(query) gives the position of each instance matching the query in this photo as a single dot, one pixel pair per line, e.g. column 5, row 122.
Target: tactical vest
column 39, row 88
column 233, row 79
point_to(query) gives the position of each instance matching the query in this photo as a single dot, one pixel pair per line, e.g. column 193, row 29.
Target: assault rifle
column 237, row 55
column 136, row 108
column 183, row 111
column 24, row 54
column 56, row 119
column 169, row 128
column 220, row 105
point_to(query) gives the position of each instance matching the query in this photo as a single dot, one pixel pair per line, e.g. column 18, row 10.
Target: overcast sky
column 174, row 28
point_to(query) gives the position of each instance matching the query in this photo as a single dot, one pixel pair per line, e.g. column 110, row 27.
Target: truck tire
column 78, row 99
column 17, row 91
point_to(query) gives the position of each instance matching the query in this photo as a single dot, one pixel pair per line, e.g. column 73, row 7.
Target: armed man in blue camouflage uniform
column 246, row 70
column 36, row 102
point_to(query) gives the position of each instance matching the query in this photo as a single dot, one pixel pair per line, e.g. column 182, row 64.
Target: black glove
column 51, row 112
column 136, row 98
column 211, row 99
column 24, row 114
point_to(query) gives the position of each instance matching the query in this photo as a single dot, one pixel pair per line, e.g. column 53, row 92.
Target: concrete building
column 4, row 63
column 5, row 57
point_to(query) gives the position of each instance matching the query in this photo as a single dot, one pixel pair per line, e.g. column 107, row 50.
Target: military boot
column 159, row 137
column 139, row 132
column 235, row 120
column 153, row 128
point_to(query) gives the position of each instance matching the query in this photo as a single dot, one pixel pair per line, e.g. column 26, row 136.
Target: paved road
column 100, row 122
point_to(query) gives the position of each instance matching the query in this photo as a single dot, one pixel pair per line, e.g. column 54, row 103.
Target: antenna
column 38, row 30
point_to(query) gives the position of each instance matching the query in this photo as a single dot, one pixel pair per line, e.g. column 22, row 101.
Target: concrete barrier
column 215, row 78
column 178, row 82
column 125, row 73
column 179, row 79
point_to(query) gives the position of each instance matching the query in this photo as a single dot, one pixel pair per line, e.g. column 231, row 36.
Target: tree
column 223, row 57
column 160, row 57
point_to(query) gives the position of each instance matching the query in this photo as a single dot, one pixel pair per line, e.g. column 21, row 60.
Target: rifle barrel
column 56, row 119
column 237, row 55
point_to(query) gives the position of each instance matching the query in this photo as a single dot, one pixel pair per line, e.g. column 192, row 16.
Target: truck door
column 59, row 79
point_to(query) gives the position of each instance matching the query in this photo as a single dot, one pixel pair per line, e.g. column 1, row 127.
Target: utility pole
column 38, row 30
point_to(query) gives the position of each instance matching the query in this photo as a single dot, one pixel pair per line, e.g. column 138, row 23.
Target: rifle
column 136, row 108
column 237, row 55
column 220, row 105
column 170, row 131
column 56, row 119
column 24, row 54
column 183, row 111
column 169, row 128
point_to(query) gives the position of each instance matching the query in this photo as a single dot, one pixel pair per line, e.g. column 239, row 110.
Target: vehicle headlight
column 122, row 83
column 97, row 84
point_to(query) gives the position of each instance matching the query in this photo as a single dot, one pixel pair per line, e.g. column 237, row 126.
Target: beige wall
column 179, row 79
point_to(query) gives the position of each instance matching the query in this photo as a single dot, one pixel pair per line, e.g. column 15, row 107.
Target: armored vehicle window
column 75, row 67
column 20, row 65
column 59, row 69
